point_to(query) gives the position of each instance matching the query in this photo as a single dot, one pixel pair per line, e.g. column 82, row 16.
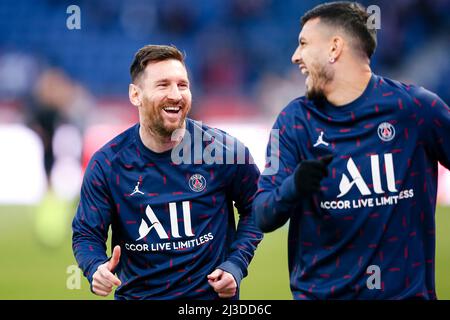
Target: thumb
column 326, row 160
column 114, row 261
column 215, row 274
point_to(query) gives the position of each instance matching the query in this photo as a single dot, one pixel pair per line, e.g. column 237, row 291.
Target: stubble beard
column 155, row 124
column 320, row 78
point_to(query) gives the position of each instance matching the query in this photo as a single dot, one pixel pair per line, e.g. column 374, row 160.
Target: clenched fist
column 223, row 283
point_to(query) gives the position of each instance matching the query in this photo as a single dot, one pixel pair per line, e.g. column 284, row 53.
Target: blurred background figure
column 56, row 100
column 64, row 93
column 55, row 111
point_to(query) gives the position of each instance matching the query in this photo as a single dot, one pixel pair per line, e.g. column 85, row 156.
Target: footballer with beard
column 357, row 179
column 173, row 225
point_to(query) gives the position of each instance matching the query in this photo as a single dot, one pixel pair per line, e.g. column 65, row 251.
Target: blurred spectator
column 56, row 100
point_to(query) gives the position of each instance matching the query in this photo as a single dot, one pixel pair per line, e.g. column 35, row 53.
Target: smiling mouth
column 172, row 109
column 304, row 70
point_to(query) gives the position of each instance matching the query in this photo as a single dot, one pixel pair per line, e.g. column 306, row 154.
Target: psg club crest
column 386, row 131
column 197, row 183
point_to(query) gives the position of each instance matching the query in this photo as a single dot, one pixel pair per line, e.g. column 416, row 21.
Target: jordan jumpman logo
column 136, row 189
column 321, row 141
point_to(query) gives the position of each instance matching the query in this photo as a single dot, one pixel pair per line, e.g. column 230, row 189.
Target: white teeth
column 171, row 108
column 305, row 72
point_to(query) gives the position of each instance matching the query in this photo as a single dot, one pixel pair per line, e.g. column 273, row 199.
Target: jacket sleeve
column 436, row 116
column 247, row 236
column 277, row 194
column 92, row 219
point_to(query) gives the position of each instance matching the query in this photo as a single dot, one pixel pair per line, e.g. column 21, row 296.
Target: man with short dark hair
column 173, row 225
column 358, row 167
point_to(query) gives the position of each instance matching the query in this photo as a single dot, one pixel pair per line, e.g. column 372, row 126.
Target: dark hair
column 153, row 53
column 351, row 17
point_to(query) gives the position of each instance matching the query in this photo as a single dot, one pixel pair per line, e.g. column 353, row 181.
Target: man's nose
column 296, row 58
column 174, row 93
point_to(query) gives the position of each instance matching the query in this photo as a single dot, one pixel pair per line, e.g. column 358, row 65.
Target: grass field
column 29, row 270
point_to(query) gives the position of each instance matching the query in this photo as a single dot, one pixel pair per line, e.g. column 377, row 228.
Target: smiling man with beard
column 173, row 227
column 358, row 161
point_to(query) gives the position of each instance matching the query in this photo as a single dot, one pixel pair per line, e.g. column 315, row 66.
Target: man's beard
column 321, row 77
column 156, row 125
column 159, row 129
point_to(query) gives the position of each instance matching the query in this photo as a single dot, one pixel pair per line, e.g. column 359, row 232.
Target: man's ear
column 337, row 45
column 135, row 95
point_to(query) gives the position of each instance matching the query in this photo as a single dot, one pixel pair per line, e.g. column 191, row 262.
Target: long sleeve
column 277, row 194
column 92, row 219
column 247, row 236
column 437, row 130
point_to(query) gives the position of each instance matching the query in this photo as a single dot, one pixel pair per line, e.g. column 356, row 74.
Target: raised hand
column 309, row 174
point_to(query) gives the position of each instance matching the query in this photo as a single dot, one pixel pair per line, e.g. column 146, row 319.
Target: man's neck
column 158, row 143
column 348, row 85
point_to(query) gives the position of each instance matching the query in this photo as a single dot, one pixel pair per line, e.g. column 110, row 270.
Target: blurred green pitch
column 28, row 270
